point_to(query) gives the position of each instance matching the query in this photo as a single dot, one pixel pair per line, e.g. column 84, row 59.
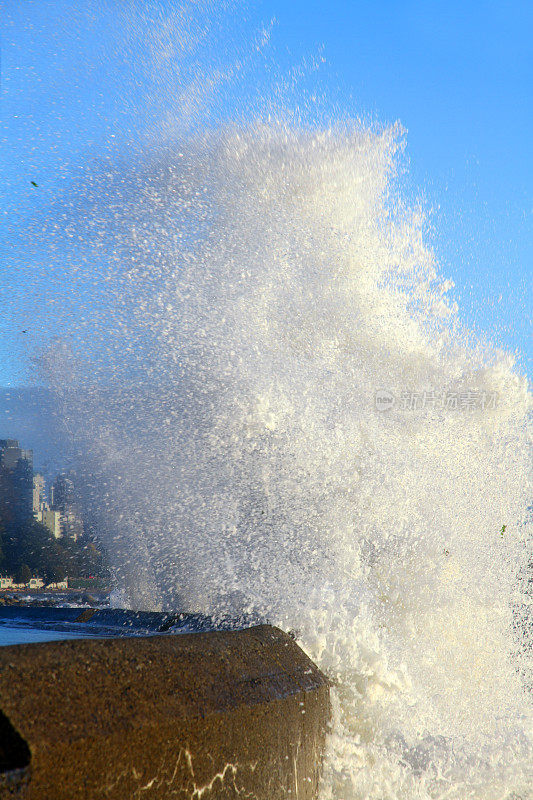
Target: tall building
column 63, row 499
column 16, row 481
column 41, row 510
column 38, row 492
column 11, row 454
column 62, row 494
column 51, row 520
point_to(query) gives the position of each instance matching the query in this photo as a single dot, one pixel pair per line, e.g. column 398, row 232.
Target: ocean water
column 279, row 412
column 28, row 623
column 23, row 634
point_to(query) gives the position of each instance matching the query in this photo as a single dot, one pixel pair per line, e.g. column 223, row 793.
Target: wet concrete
column 238, row 714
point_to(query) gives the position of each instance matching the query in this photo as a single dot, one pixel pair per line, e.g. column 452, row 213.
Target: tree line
column 28, row 549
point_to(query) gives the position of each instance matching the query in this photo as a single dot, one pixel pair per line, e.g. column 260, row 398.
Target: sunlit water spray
column 280, row 414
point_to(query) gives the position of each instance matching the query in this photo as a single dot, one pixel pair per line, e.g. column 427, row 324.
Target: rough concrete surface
column 202, row 716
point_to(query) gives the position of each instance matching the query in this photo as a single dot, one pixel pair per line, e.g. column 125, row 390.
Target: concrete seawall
column 202, row 716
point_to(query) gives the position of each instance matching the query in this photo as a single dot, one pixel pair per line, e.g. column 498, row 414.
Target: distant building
column 16, row 480
column 58, row 585
column 38, row 492
column 63, row 499
column 72, row 524
column 6, row 583
column 62, row 493
column 42, row 512
column 52, row 520
column 11, row 454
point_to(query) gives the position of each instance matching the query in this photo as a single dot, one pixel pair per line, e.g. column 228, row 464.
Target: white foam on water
column 280, row 412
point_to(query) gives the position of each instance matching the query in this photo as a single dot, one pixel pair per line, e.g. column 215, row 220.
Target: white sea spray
column 279, row 412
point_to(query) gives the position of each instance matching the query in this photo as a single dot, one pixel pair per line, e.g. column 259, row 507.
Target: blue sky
column 458, row 76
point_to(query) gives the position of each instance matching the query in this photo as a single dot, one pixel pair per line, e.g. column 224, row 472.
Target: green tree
column 32, row 544
column 29, row 543
column 23, row 574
